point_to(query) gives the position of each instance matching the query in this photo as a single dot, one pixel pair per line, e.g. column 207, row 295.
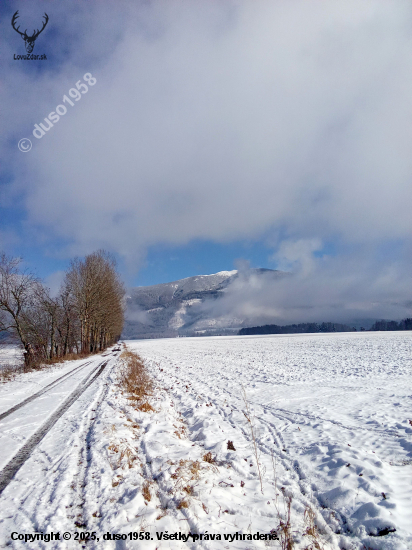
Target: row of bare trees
column 85, row 317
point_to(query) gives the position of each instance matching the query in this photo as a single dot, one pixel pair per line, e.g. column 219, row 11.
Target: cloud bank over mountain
column 191, row 306
column 224, row 302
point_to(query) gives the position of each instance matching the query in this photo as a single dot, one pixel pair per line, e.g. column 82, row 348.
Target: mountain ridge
column 175, row 308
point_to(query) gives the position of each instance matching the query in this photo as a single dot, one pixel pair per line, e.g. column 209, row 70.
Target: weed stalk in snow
column 250, row 419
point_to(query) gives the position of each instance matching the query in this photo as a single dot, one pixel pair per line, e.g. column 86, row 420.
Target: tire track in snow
column 14, row 465
column 84, row 460
column 42, row 391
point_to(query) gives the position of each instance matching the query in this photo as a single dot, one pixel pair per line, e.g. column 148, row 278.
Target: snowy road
column 46, row 400
column 335, row 409
column 37, row 430
column 25, row 424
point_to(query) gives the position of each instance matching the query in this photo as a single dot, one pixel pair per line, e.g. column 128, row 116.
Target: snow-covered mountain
column 178, row 308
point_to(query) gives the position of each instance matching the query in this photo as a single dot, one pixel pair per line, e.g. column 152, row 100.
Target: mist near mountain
column 311, row 290
column 190, row 306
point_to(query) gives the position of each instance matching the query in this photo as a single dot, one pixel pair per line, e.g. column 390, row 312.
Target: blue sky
column 196, row 258
column 275, row 133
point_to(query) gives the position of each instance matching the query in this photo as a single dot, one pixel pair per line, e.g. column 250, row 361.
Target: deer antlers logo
column 29, row 40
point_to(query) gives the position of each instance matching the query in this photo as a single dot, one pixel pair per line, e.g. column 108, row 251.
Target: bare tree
column 41, row 320
column 86, row 316
column 97, row 296
column 68, row 326
column 17, row 290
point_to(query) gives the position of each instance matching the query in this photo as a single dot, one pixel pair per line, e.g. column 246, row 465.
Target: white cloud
column 297, row 255
column 223, row 121
column 343, row 289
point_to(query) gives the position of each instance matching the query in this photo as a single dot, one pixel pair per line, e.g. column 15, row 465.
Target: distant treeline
column 405, row 324
column 298, row 329
column 305, row 328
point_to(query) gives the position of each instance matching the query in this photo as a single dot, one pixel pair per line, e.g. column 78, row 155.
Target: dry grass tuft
column 209, row 458
column 187, row 470
column 182, row 504
column 186, row 475
column 162, row 514
column 117, row 480
column 146, row 491
column 145, row 407
column 121, row 454
column 180, row 432
column 312, row 530
column 133, row 424
column 284, row 529
column 134, row 380
column 7, row 374
column 11, row 372
column 284, row 532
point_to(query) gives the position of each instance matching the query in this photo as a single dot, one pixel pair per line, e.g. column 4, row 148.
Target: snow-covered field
column 10, row 355
column 330, row 415
column 334, row 409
